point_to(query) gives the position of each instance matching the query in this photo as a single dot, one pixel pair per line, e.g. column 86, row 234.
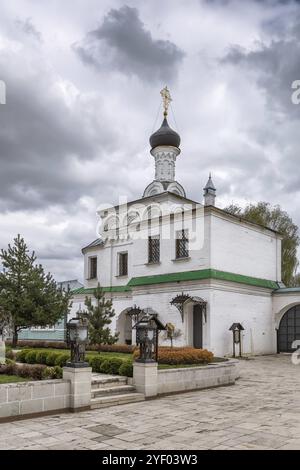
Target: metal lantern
column 77, row 338
column 236, row 329
column 147, row 330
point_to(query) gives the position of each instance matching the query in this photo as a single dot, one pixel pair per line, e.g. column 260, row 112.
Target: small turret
column 209, row 192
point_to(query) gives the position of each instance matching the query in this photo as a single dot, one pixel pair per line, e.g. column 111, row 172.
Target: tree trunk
column 15, row 337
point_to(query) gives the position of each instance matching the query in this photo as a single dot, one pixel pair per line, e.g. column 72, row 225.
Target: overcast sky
column 83, row 79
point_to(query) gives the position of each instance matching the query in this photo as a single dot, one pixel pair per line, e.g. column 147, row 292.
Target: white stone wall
column 23, row 398
column 250, row 307
column 242, row 249
column 196, row 378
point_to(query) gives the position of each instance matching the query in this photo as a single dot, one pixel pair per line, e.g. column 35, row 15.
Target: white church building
column 194, row 265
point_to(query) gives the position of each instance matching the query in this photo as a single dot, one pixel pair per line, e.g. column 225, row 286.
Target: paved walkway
column 261, row 411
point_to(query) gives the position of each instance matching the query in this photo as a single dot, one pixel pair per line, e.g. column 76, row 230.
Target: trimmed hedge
column 126, row 369
column 21, row 355
column 52, row 372
column 62, row 359
column 111, row 366
column 122, row 348
column 184, row 355
column 52, row 360
column 34, row 372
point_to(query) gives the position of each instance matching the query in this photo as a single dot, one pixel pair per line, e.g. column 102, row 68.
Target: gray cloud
column 27, row 27
column 273, row 64
column 121, row 42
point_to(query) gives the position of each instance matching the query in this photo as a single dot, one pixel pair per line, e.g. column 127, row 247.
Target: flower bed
column 184, row 355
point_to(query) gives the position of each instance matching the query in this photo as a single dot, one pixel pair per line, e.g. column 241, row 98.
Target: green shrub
column 51, row 358
column 30, row 357
column 105, row 367
column 61, row 359
column 111, row 366
column 95, row 362
column 41, row 357
column 21, row 355
column 58, row 372
column 126, row 369
column 52, row 373
column 34, row 372
column 9, row 354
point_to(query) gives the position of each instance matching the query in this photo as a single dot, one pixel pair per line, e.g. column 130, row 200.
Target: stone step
column 110, row 381
column 116, row 390
column 112, row 400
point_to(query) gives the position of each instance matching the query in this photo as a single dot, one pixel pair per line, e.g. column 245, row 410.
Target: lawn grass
column 6, row 379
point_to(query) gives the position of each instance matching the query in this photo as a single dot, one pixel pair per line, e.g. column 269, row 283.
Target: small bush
column 51, row 358
column 21, row 355
column 52, row 373
column 105, row 367
column 61, row 359
column 126, row 369
column 111, row 366
column 185, row 355
column 30, row 357
column 30, row 371
column 8, row 368
column 9, row 354
column 95, row 362
column 41, row 357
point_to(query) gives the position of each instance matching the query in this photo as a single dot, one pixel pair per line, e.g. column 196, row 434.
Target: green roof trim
column 90, row 290
column 186, row 276
column 202, row 274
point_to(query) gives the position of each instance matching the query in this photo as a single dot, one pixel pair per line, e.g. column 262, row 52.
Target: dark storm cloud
column 41, row 139
column 274, row 65
column 123, row 43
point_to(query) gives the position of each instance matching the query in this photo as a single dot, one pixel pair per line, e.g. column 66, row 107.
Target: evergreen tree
column 28, row 296
column 99, row 315
column 277, row 219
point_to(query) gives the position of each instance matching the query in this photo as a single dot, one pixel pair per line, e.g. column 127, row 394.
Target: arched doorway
column 193, row 313
column 289, row 329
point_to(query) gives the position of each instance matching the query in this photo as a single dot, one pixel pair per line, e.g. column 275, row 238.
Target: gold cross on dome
column 166, row 99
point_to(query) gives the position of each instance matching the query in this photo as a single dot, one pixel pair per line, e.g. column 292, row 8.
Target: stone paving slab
column 261, row 411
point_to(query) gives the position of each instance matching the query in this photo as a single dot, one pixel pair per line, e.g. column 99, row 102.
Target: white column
column 80, row 390
column 145, row 378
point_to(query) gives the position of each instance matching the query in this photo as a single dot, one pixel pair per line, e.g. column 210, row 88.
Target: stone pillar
column 145, row 378
column 80, row 386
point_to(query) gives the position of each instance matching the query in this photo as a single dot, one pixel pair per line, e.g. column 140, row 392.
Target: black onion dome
column 165, row 136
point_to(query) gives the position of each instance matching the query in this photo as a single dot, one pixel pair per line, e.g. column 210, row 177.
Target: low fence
column 195, row 378
column 72, row 393
column 152, row 382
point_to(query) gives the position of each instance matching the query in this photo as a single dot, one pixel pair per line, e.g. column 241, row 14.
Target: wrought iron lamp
column 147, row 330
column 237, row 329
column 77, row 338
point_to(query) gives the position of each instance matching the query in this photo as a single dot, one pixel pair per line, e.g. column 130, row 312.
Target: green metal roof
column 202, row 274
column 90, row 290
column 187, row 276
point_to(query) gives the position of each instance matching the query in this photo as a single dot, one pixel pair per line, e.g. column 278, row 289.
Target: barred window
column 123, row 264
column 93, row 268
column 154, row 249
column 182, row 244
